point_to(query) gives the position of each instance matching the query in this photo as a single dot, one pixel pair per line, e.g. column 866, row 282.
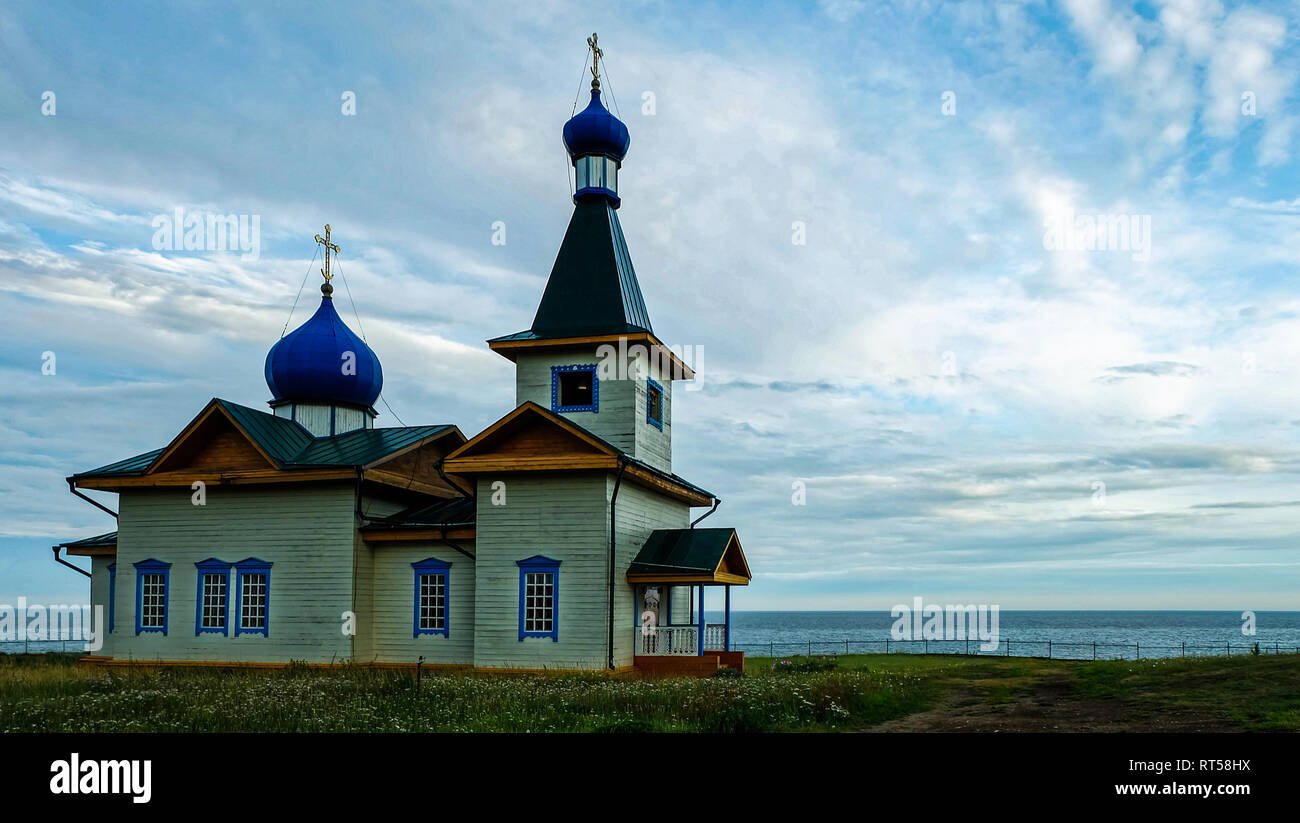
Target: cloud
column 948, row 390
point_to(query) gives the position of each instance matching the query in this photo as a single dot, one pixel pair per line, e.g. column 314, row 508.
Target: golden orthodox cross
column 328, row 247
column 596, row 55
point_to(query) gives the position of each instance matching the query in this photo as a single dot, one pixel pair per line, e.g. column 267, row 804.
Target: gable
column 212, row 442
column 229, row 443
column 529, row 438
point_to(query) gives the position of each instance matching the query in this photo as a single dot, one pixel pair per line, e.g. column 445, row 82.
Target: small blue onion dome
column 594, row 131
column 314, row 363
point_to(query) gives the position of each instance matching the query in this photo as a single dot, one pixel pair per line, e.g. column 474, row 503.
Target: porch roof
column 709, row 556
column 101, row 545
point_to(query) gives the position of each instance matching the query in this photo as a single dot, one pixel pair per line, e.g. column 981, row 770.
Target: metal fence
column 42, row 646
column 1042, row 649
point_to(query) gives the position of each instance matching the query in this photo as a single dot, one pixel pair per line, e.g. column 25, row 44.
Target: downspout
column 72, row 487
column 618, row 482
column 716, row 502
column 365, row 518
column 58, row 559
column 356, row 538
column 453, row 545
column 361, row 473
column 467, row 495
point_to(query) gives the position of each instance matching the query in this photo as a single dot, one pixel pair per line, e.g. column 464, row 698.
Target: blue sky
column 949, row 391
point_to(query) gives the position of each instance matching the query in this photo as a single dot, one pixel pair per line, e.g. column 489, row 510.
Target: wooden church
column 557, row 538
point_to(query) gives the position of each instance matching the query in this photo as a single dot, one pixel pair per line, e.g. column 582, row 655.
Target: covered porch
column 671, row 578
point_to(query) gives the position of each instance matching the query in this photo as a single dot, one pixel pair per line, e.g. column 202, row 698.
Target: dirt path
column 1046, row 707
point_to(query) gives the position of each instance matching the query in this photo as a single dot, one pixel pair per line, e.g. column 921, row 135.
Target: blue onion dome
column 595, row 131
column 322, row 361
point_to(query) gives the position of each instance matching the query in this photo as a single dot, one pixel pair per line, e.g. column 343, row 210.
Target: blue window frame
column 112, row 595
column 539, row 597
column 152, row 586
column 654, row 404
column 253, row 597
column 575, row 388
column 432, row 593
column 212, row 603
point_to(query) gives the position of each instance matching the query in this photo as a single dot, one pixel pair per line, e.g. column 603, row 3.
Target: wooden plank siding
column 564, row 517
column 621, row 418
column 306, row 532
column 638, row 512
column 394, row 639
column 652, row 445
column 99, row 591
column 321, row 567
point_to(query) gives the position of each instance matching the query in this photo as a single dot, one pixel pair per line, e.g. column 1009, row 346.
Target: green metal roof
column 131, row 465
column 361, row 447
column 592, row 288
column 682, row 551
column 279, row 437
column 457, row 511
column 291, row 446
column 98, row 541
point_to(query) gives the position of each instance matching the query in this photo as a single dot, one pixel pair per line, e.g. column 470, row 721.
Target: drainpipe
column 58, row 559
column 618, row 482
column 361, row 516
column 452, row 543
column 716, row 502
column 467, row 495
column 72, row 487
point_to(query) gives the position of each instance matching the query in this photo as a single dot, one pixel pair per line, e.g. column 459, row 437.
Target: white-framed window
column 539, row 590
column 151, row 589
column 539, row 602
column 432, row 580
column 433, row 601
column 254, row 591
column 252, row 606
column 214, row 601
column 153, row 600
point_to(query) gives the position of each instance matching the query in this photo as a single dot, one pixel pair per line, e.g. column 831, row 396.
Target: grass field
column 863, row 693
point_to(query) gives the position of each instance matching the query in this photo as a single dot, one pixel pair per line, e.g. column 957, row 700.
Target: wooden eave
column 418, row 533
column 715, row 579
column 510, row 348
column 185, row 479
column 98, row 551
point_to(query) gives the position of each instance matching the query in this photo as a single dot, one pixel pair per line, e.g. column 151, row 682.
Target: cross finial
column 596, row 56
column 326, row 288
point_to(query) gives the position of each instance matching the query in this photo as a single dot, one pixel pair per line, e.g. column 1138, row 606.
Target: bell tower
column 591, row 354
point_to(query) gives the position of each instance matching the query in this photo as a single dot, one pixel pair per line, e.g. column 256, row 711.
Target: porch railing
column 715, row 637
column 679, row 640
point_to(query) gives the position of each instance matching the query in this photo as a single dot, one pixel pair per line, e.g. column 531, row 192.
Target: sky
column 910, row 385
